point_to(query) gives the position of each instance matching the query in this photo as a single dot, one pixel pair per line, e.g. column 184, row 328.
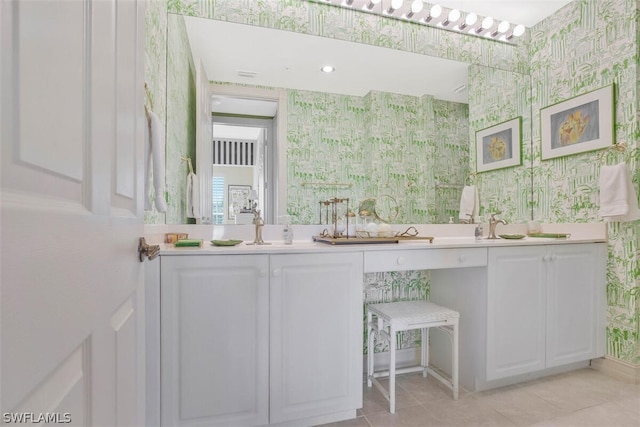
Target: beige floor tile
column 414, row 416
column 424, row 389
column 374, row 401
column 519, row 405
column 605, row 415
column 361, row 421
column 569, row 392
column 580, row 398
column 466, row 411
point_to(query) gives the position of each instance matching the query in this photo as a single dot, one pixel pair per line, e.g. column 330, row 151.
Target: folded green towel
column 188, row 242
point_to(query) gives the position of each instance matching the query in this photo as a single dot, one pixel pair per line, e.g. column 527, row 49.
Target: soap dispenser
column 287, row 230
column 478, row 231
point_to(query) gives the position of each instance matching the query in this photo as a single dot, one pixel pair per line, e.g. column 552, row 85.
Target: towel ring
column 619, row 147
column 188, row 160
column 471, row 178
column 149, row 97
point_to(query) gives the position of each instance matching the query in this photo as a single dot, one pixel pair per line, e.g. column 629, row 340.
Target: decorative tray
column 512, row 236
column 225, row 242
column 551, row 235
column 364, row 240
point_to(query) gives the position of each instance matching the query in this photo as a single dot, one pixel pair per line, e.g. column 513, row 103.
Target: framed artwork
column 583, row 123
column 238, row 200
column 499, row 146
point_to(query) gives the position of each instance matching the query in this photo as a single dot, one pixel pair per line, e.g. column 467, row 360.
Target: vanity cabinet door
column 546, row 307
column 515, row 311
column 214, row 340
column 316, row 335
column 575, row 303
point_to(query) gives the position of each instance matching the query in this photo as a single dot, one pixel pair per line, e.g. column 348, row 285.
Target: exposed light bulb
column 372, row 3
column 485, row 25
column 434, row 12
column 395, row 5
column 518, row 30
column 503, row 27
column 416, row 7
column 453, row 16
column 469, row 21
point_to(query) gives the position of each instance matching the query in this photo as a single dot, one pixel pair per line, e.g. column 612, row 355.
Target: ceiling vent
column 248, row 74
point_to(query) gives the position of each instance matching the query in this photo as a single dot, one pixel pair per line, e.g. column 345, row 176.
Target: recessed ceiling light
column 327, row 69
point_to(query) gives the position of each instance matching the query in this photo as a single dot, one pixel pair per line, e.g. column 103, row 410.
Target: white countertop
column 445, row 237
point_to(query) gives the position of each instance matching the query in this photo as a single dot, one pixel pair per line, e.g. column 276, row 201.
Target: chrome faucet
column 492, row 225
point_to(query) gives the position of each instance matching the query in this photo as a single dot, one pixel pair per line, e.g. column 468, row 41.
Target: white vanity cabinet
column 214, row 314
column 260, row 339
column 316, row 335
column 544, row 307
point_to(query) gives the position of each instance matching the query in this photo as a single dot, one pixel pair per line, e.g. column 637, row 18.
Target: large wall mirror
column 387, row 124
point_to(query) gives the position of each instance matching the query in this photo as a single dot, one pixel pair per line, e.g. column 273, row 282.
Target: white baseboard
column 617, row 369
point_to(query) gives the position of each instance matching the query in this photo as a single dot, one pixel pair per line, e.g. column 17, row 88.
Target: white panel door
column 575, row 282
column 316, row 335
column 72, row 125
column 215, row 340
column 516, row 316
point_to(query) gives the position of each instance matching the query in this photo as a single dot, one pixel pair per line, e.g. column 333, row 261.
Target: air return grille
column 233, row 152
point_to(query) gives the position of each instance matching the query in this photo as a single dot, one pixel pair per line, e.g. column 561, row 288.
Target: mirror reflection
column 404, row 133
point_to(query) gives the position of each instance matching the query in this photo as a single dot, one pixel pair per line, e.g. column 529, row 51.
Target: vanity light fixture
column 434, row 15
column 328, row 69
column 453, row 16
column 416, row 7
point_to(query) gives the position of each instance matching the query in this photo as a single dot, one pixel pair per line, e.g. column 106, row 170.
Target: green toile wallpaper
column 586, row 45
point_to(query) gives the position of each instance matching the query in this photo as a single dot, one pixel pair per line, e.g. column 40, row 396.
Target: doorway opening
column 244, row 158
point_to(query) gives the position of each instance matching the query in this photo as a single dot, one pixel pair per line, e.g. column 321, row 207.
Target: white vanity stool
column 385, row 320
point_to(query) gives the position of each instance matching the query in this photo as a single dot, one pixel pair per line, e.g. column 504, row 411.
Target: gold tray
column 365, row 240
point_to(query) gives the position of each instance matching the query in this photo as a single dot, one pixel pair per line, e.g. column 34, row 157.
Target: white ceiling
column 293, row 60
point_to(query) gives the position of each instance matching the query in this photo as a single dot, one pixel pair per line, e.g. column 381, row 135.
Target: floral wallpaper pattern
column 586, row 45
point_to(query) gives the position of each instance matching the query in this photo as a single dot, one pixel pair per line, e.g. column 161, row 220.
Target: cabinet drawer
column 423, row 259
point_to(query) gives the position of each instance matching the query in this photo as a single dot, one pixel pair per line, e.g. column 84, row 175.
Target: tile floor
column 580, row 398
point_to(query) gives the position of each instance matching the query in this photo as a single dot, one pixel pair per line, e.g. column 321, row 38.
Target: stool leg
column 392, row 370
column 454, row 368
column 425, row 351
column 370, row 346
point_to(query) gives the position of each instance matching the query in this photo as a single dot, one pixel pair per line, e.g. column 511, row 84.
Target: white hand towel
column 193, row 196
column 155, row 159
column 618, row 200
column 469, row 203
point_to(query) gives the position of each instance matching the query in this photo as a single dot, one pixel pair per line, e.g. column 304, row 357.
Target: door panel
column 71, row 308
column 515, row 312
column 572, row 311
